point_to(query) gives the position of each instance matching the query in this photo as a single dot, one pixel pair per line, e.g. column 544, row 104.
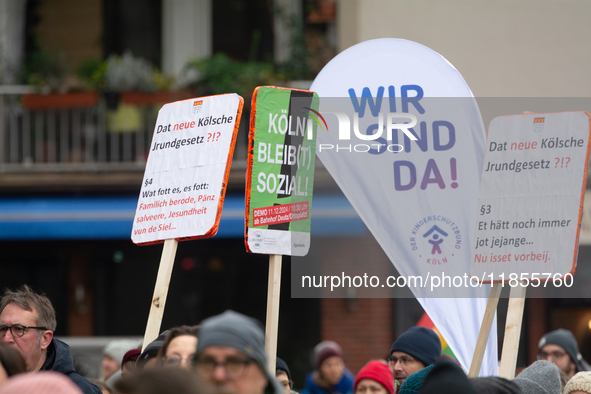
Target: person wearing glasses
column 179, row 347
column 561, row 348
column 283, row 376
column 414, row 350
column 230, row 356
column 27, row 322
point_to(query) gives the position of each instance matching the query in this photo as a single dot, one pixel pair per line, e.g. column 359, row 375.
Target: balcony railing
column 78, row 133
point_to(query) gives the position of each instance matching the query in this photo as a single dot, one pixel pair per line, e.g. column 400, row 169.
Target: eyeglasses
column 17, row 330
column 556, row 355
column 235, row 367
column 285, row 383
column 176, row 360
column 404, row 360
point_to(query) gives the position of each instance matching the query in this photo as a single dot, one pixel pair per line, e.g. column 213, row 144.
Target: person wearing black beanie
column 446, row 377
column 147, row 359
column 414, row 350
column 495, row 385
column 283, row 375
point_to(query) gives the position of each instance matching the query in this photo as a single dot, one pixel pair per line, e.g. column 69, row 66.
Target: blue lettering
column 366, row 97
column 413, row 100
column 392, row 94
column 421, row 142
column 381, row 141
column 398, row 176
column 437, row 141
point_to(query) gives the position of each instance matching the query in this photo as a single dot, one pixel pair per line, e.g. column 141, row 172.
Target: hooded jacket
column 59, row 359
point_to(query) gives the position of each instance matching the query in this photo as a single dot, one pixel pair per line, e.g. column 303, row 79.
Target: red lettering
column 186, row 125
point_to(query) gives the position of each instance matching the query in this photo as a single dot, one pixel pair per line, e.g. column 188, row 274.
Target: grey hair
column 28, row 300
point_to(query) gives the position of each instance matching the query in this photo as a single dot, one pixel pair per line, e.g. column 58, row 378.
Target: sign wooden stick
column 273, row 292
column 489, row 314
column 160, row 291
column 512, row 332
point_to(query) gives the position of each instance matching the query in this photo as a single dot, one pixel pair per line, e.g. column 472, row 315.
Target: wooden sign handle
column 273, row 292
column 512, row 331
column 160, row 292
column 489, row 314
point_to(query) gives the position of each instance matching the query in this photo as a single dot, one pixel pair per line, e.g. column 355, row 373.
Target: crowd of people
column 225, row 354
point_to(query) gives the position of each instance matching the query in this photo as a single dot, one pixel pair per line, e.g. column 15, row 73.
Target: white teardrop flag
column 405, row 143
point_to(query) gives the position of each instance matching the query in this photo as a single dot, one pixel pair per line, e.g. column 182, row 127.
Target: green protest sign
column 280, row 175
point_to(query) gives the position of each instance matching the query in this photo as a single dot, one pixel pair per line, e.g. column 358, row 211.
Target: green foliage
column 162, row 81
column 92, row 73
column 123, row 73
column 220, row 74
column 45, row 70
column 298, row 66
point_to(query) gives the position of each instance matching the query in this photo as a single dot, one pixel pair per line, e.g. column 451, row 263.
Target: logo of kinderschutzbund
column 435, row 238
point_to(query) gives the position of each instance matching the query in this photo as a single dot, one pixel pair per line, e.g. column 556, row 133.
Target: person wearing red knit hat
column 375, row 377
column 128, row 361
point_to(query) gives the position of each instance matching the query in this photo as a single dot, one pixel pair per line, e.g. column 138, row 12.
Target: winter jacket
column 59, row 359
column 345, row 386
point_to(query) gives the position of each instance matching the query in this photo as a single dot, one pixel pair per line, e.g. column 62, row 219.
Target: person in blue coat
column 331, row 375
column 27, row 322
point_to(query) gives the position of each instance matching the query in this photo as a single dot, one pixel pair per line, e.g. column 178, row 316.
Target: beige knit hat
column 580, row 382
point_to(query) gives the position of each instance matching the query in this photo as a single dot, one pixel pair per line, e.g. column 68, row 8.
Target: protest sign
column 184, row 182
column 531, row 198
column 405, row 144
column 279, row 182
column 280, row 174
column 529, row 211
column 188, row 166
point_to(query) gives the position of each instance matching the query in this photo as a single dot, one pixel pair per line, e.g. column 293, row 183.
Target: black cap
column 421, row 343
column 446, row 378
column 151, row 350
column 495, row 385
column 281, row 365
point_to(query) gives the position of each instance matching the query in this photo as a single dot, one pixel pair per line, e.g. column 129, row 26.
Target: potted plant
column 46, row 72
